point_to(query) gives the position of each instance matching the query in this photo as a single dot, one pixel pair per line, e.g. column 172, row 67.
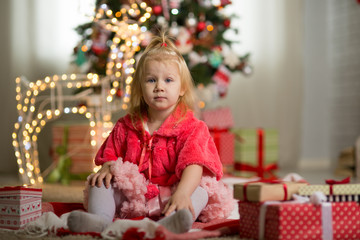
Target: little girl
column 159, row 160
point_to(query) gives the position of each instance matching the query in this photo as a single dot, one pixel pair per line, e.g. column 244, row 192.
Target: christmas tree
column 197, row 26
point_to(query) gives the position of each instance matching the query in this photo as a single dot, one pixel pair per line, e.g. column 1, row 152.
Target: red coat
column 175, row 145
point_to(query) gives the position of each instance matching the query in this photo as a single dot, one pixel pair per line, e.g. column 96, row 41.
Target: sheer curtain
column 344, row 49
column 43, row 35
column 272, row 31
column 37, row 40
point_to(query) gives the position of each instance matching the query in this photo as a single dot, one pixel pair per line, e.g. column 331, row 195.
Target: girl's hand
column 102, row 176
column 190, row 180
column 178, row 201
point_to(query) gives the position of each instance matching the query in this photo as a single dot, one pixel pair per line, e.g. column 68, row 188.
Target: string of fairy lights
column 125, row 43
column 46, row 100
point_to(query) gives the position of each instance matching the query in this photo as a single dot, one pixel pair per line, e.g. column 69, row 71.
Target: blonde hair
column 161, row 48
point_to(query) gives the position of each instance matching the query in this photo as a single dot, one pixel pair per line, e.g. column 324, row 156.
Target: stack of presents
column 271, row 208
column 244, row 152
column 296, row 210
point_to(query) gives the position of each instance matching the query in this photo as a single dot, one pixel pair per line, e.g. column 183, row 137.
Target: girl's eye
column 168, row 80
column 151, row 80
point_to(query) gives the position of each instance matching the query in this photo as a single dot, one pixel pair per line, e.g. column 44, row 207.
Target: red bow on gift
column 332, row 182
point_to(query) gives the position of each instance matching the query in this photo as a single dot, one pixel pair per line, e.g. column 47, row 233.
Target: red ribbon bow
column 332, row 182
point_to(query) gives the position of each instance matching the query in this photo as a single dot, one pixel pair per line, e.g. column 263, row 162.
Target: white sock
column 179, row 222
column 102, row 203
column 182, row 220
column 79, row 221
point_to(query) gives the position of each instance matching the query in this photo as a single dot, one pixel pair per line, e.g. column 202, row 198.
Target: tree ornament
column 157, row 10
column 120, row 93
column 191, row 20
column 162, row 21
column 226, row 23
column 80, row 56
column 174, row 29
column 196, row 58
column 100, row 37
column 225, row 2
column 230, row 57
column 215, row 58
column 222, row 79
column 183, row 42
column 201, row 26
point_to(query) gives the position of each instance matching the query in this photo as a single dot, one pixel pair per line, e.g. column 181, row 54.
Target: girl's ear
column 182, row 92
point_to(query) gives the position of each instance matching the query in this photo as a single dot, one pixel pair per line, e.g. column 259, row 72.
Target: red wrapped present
column 219, row 122
column 289, row 220
column 219, row 118
column 224, row 142
column 19, row 206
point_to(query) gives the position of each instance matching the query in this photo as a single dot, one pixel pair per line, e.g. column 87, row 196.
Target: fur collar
column 176, row 123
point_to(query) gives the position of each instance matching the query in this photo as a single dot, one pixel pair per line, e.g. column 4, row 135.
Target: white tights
column 103, row 203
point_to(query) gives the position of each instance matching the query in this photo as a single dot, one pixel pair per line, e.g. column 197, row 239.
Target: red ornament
column 119, row 93
column 225, row 2
column 226, row 23
column 201, row 26
column 157, row 10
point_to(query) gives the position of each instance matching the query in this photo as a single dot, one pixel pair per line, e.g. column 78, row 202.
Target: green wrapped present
column 256, row 152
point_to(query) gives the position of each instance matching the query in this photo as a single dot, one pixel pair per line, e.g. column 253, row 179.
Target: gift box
column 77, row 146
column 288, row 220
column 256, row 152
column 219, row 118
column 220, row 121
column 19, row 206
column 334, row 191
column 266, row 191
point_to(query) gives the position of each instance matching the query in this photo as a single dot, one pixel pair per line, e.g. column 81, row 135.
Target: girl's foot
column 179, row 222
column 79, row 221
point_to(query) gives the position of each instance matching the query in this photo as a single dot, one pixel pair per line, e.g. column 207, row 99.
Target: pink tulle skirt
column 134, row 186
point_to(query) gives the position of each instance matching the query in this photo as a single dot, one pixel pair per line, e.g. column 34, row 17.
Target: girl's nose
column 158, row 86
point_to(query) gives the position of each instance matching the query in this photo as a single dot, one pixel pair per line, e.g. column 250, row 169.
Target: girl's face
column 161, row 86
